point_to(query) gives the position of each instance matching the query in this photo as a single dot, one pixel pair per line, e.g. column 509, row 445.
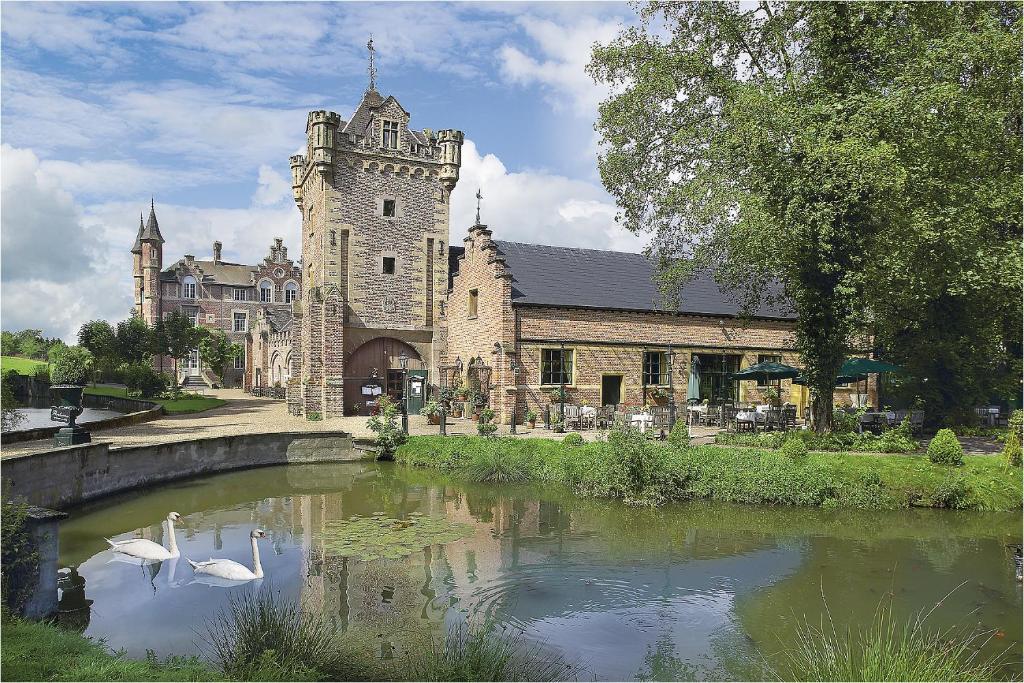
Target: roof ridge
column 555, row 246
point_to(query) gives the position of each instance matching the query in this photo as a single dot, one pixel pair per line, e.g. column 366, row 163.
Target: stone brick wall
column 340, row 186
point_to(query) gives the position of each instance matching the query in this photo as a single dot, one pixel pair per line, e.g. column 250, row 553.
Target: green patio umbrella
column 841, row 379
column 864, row 366
column 762, row 372
column 693, row 386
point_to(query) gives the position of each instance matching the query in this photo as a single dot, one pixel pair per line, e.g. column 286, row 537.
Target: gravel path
column 246, row 414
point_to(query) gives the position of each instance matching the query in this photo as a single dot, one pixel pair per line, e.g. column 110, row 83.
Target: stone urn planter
column 68, row 406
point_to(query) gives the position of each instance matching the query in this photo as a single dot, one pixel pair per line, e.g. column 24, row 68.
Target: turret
column 321, row 127
column 137, row 267
column 298, row 164
column 151, row 258
column 450, row 144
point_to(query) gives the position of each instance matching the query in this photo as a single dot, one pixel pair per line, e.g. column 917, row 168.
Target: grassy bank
column 39, row 652
column 22, row 366
column 187, row 404
column 645, row 472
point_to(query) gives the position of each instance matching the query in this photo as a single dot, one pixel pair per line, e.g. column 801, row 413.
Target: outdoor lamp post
column 403, row 360
column 514, row 367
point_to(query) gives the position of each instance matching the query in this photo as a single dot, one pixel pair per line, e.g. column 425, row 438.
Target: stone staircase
column 194, row 383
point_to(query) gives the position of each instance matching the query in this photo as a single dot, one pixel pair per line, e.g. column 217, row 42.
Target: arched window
column 188, row 287
column 291, row 291
column 266, row 291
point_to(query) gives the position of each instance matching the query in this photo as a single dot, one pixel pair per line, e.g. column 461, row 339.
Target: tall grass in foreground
column 891, row 650
column 258, row 638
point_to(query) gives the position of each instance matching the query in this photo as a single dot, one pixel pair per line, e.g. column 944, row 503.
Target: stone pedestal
column 71, row 436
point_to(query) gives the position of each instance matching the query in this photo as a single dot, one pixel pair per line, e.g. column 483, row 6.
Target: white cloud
column 559, row 63
column 535, row 207
column 273, row 188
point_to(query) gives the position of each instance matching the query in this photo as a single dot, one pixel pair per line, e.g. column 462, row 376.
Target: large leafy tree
column 178, row 336
column 829, row 146
column 100, row 339
column 134, row 340
column 216, row 350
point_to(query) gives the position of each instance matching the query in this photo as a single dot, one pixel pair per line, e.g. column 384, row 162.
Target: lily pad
column 372, row 538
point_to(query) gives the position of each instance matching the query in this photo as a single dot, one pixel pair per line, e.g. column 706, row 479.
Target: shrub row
column 897, row 440
column 639, row 471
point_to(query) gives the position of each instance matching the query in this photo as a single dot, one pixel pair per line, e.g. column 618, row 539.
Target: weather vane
column 372, row 70
column 479, row 196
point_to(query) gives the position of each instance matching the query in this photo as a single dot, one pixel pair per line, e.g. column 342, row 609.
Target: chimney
column 216, row 251
column 190, row 259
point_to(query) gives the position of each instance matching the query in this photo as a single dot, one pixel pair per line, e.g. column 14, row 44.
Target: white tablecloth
column 642, row 421
column 754, row 416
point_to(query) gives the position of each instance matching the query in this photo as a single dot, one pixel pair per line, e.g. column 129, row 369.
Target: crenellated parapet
column 298, row 166
column 449, row 143
column 321, row 128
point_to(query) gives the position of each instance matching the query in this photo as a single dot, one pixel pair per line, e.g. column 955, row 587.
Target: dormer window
column 188, row 287
column 390, row 135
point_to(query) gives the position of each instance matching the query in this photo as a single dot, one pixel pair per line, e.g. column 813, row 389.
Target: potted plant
column 771, row 394
column 69, row 372
column 432, row 411
column 659, row 393
column 531, row 418
column 557, row 427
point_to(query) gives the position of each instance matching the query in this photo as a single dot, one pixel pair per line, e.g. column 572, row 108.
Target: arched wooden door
column 376, row 363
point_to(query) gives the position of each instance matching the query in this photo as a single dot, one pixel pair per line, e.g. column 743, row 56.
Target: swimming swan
column 231, row 570
column 145, row 549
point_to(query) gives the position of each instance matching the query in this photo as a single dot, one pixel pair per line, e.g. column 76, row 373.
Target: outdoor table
column 753, row 416
column 588, row 414
column 888, row 417
column 988, row 416
column 695, row 412
column 642, row 421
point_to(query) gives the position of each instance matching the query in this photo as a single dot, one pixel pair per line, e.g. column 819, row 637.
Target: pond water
column 40, row 417
column 686, row 591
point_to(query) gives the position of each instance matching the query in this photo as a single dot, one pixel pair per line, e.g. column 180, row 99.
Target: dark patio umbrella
column 864, row 366
column 762, row 372
column 841, row 379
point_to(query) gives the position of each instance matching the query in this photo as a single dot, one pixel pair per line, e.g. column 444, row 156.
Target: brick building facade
column 214, row 293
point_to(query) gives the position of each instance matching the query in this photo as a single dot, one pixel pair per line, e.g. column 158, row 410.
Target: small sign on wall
column 211, row 318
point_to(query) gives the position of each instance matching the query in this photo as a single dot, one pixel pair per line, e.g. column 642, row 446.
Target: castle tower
column 374, row 198
column 147, row 259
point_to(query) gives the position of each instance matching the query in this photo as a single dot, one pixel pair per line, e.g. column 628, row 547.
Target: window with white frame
column 188, row 287
column 240, row 360
column 266, row 292
column 291, row 291
column 240, row 294
column 390, row 135
column 239, row 322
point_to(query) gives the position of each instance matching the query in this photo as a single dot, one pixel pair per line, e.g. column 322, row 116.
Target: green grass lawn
column 39, row 652
column 23, row 366
column 171, row 406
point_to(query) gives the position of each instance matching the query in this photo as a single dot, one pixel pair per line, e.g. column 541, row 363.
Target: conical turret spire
column 137, row 248
column 151, row 231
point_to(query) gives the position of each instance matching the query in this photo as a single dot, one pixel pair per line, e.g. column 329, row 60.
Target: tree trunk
column 821, row 411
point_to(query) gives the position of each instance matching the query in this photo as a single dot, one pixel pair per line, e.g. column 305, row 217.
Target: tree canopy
column 865, row 155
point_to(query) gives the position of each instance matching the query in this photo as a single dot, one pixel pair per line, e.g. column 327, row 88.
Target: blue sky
column 200, row 105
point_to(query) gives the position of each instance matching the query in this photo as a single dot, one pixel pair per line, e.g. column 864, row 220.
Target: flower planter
column 69, row 403
column 531, row 424
column 434, row 419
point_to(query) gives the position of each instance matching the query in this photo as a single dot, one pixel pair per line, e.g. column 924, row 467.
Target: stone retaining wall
column 64, row 477
column 136, row 411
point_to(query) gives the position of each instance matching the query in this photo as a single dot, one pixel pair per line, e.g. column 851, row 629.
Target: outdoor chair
column 773, row 418
column 916, row 421
column 789, row 416
column 572, row 416
column 713, row 417
column 729, row 417
column 605, row 417
column 587, row 419
column 659, row 417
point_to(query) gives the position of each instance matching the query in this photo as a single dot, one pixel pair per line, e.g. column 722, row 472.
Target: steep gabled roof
column 591, row 278
column 137, row 247
column 364, row 112
column 216, row 272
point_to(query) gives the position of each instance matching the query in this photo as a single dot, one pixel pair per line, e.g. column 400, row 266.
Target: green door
column 417, row 390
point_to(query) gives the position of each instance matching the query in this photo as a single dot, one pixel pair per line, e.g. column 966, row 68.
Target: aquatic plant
column 260, row 637
column 889, row 650
column 376, row 537
column 501, row 464
column 480, row 654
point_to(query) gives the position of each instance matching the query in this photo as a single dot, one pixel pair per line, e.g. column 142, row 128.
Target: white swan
column 231, row 570
column 145, row 549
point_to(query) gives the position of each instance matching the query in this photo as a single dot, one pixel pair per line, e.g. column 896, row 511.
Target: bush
column 313, row 416
column 485, row 425
column 950, row 493
column 531, row 415
column 500, row 461
column 897, row 440
column 142, row 379
column 71, row 366
column 19, row 556
column 680, row 434
column 385, row 425
column 794, row 448
column 637, row 469
column 1012, row 449
column 10, row 418
column 946, row 449
column 573, row 439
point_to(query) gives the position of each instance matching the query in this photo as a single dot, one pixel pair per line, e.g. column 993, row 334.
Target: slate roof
column 137, row 247
column 361, row 118
column 590, row 278
column 279, row 320
column 219, row 272
column 152, row 229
